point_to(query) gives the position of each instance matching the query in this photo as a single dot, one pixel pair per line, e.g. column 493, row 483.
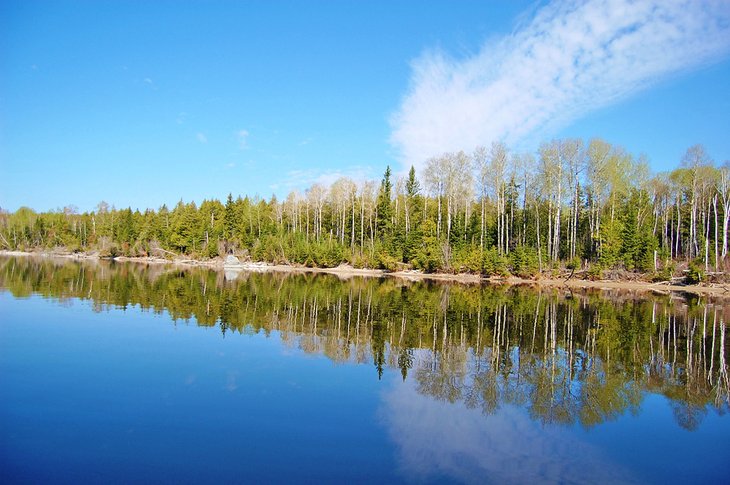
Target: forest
column 591, row 208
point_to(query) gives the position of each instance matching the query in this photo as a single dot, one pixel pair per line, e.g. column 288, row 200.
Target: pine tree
column 385, row 206
column 413, row 186
column 229, row 219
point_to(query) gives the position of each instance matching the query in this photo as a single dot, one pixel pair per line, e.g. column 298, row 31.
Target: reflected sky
column 437, row 439
column 126, row 395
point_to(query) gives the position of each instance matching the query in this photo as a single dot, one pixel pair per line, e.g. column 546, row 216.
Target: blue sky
column 145, row 103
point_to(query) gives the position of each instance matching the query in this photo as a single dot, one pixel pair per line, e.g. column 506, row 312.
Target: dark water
column 122, row 372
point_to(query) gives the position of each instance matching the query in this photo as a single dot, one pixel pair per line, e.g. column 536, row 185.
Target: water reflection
column 437, row 439
column 562, row 358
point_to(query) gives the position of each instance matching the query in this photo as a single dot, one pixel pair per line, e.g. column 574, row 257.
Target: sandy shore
column 346, row 271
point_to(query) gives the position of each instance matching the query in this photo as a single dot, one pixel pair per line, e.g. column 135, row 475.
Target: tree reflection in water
column 566, row 357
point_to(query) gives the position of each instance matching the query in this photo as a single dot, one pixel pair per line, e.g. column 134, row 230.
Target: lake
column 119, row 372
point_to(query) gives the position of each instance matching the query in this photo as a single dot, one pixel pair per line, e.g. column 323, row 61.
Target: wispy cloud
column 303, row 179
column 571, row 58
column 436, row 439
column 201, row 137
column 181, row 117
column 148, row 82
column 232, row 381
column 242, row 137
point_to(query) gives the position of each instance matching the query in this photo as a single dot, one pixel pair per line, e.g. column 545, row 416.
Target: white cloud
column 230, row 165
column 181, row 117
column 440, row 440
column 242, row 137
column 201, row 137
column 303, row 179
column 328, row 177
column 232, row 381
column 571, row 58
column 149, row 82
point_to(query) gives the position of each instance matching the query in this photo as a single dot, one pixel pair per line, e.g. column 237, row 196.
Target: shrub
column 468, row 260
column 665, row 274
column 695, row 273
column 523, row 261
column 595, row 272
column 334, row 256
column 386, row 261
column 297, row 250
column 111, row 251
column 358, row 261
column 212, row 249
column 126, row 250
column 493, row 263
column 428, row 259
column 573, row 264
column 322, row 254
column 257, row 251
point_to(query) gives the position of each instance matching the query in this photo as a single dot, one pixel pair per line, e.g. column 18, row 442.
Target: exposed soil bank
column 345, row 271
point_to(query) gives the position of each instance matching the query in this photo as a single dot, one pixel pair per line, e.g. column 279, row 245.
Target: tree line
column 571, row 205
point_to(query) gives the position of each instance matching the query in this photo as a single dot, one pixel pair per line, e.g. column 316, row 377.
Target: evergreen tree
column 413, row 186
column 229, row 219
column 385, row 205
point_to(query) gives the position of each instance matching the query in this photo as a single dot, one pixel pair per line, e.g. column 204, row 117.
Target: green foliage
column 467, row 260
column 494, row 264
column 695, row 273
column 595, row 272
column 523, row 261
column 230, row 219
column 644, row 260
column 413, row 187
column 211, row 249
column 384, row 205
column 335, row 255
column 411, row 244
column 427, row 255
column 385, row 260
column 360, row 261
column 573, row 264
column 324, row 255
column 610, row 243
column 638, row 243
column 665, row 274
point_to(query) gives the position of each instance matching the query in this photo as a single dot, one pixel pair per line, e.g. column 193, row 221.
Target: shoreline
column 346, row 271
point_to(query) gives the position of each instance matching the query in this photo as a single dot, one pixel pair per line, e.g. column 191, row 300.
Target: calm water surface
column 123, row 372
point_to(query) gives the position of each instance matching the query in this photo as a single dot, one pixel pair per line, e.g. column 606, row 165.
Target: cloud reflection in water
column 439, row 441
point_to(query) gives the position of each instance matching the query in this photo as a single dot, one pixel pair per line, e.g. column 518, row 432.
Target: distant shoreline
column 346, row 271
